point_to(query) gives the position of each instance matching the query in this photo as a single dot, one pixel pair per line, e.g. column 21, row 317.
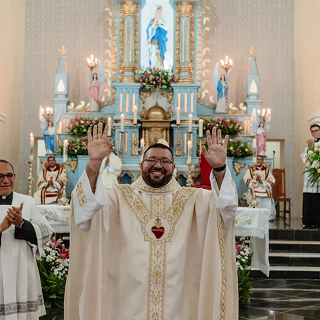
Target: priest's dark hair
column 51, row 157
column 158, row 145
column 314, row 125
column 5, row 161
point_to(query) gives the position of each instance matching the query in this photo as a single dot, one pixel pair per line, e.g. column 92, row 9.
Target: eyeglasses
column 164, row 162
column 9, row 176
column 315, row 131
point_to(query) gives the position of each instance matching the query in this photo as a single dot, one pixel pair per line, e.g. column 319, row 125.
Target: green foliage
column 313, row 165
column 238, row 149
column 230, row 126
column 152, row 78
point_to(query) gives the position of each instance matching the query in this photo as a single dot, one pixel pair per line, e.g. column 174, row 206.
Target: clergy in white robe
column 50, row 182
column 263, row 190
column 110, row 170
column 24, row 232
column 162, row 252
column 311, row 194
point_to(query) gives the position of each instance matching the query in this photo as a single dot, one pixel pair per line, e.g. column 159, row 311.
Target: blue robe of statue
column 157, row 43
column 48, row 137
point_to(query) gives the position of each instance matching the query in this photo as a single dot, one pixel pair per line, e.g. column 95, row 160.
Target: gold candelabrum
column 30, row 179
column 189, row 182
column 178, row 150
column 135, row 142
column 254, row 203
column 226, row 64
column 63, row 201
column 92, row 62
column 120, row 145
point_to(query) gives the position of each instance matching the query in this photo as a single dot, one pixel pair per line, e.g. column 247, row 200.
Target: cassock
column 20, row 288
column 263, row 191
column 48, row 194
column 152, row 253
column 311, row 195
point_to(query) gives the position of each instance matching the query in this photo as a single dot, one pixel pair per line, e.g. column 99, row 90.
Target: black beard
column 156, row 183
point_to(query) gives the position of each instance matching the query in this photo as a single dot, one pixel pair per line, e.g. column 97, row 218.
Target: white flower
column 231, row 148
column 310, row 152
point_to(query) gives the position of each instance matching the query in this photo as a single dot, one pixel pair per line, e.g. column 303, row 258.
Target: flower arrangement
column 152, row 78
column 53, row 268
column 313, row 165
column 79, row 126
column 76, row 147
column 230, row 126
column 238, row 149
column 243, row 261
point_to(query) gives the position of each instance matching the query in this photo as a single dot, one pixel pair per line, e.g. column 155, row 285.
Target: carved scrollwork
column 238, row 166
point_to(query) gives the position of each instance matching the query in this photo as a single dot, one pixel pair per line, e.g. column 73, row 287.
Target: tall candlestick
column 31, row 146
column 178, row 115
column 189, row 152
column 254, row 150
column 122, row 122
column 200, row 128
column 190, row 123
column 65, row 150
column 109, row 126
column 135, row 111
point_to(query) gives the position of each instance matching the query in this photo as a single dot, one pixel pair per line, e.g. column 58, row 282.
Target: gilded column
column 128, row 10
column 186, row 14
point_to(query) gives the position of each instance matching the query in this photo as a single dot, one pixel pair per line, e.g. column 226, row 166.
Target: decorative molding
column 187, row 9
column 238, row 166
column 168, row 95
column 128, row 8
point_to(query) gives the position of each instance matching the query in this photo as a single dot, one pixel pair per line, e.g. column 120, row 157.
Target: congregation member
column 23, row 233
column 50, row 182
column 263, row 189
column 311, row 194
column 153, row 249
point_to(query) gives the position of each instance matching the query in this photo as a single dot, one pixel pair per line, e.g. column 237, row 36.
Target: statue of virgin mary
column 157, row 39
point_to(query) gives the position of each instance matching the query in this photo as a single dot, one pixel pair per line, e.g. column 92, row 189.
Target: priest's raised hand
column 98, row 149
column 216, row 155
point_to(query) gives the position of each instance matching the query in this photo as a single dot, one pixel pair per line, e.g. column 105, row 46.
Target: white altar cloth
column 254, row 223
column 58, row 216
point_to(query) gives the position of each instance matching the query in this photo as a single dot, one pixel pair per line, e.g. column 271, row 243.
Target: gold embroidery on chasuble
column 157, row 226
column 82, row 199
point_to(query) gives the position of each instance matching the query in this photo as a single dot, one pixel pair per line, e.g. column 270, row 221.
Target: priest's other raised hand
column 216, row 155
column 98, row 149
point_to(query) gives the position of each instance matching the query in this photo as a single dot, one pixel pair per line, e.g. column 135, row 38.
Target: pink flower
column 239, row 248
column 63, row 253
column 54, row 243
column 238, row 152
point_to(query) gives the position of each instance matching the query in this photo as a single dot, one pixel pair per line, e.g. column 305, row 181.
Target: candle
column 263, row 112
column 190, row 123
column 142, row 149
column 31, row 146
column 65, row 151
column 254, row 150
column 200, row 128
column 179, row 99
column 178, row 115
column 122, row 122
column 258, row 113
column 134, row 100
column 189, row 152
column 48, row 110
column 91, row 57
column 135, row 111
column 109, row 126
column 42, row 111
column 269, row 114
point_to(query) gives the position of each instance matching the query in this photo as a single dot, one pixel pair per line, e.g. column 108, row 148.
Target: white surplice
column 152, row 253
column 20, row 288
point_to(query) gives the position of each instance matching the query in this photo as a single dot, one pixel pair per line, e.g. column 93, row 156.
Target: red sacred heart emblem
column 158, row 231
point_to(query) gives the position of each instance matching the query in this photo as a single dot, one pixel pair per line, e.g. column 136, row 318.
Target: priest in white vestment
column 263, row 189
column 153, row 249
column 110, row 170
column 51, row 180
column 23, row 233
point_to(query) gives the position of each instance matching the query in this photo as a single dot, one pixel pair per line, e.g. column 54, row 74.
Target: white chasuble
column 20, row 288
column 152, row 253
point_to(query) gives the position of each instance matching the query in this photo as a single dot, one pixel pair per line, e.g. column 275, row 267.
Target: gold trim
column 63, row 50
column 238, row 166
column 127, row 8
column 144, row 96
column 172, row 186
column 187, row 9
column 130, row 173
column 82, row 199
column 168, row 95
column 73, row 165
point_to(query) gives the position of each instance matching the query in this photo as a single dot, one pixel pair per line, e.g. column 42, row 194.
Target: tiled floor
column 270, row 300
column 283, row 300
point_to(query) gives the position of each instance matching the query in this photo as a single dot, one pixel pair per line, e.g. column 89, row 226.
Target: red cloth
column 205, row 170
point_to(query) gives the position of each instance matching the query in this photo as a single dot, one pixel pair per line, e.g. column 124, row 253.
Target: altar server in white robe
column 23, row 232
column 263, row 189
column 153, row 249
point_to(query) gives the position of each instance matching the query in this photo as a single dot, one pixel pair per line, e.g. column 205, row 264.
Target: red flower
column 239, row 248
column 54, row 243
column 63, row 253
column 238, row 152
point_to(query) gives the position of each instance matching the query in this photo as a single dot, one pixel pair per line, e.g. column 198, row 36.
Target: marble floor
column 283, row 300
column 270, row 299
